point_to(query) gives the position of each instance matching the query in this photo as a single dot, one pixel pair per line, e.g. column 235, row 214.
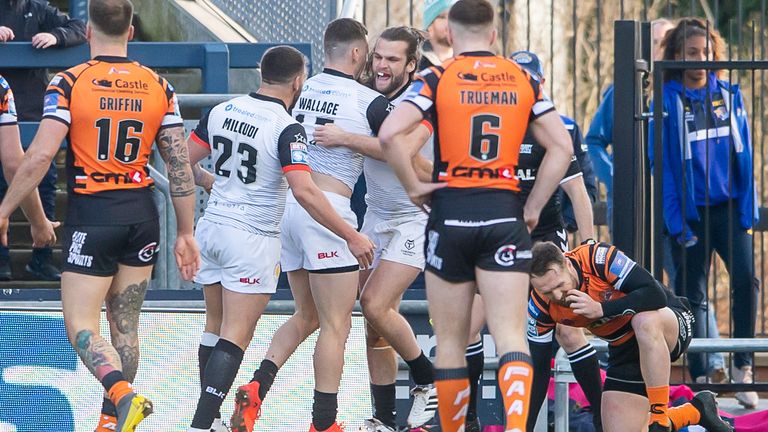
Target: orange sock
column 658, row 397
column 683, row 415
column 452, row 398
column 119, row 390
column 515, row 379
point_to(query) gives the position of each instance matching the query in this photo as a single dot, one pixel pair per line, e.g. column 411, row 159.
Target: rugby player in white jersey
column 397, row 227
column 256, row 146
column 322, row 272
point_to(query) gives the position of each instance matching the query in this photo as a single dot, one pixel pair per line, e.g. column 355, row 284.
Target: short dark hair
column 472, row 13
column 545, row 255
column 281, row 64
column 343, row 31
column 111, row 17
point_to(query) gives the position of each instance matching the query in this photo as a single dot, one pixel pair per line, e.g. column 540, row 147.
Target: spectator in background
column 437, row 48
column 708, row 187
column 600, row 134
column 45, row 26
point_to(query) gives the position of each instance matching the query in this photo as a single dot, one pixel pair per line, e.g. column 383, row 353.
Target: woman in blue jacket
column 708, row 187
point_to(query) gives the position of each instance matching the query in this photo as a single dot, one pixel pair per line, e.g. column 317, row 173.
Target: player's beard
column 395, row 82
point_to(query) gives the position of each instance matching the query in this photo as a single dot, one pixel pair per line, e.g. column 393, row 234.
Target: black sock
column 384, row 403
column 111, row 379
column 324, row 410
column 220, row 373
column 108, row 408
column 265, row 375
column 475, row 364
column 204, row 353
column 586, row 370
column 422, row 371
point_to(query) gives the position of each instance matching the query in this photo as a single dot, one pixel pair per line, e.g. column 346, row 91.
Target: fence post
column 628, row 155
column 216, row 68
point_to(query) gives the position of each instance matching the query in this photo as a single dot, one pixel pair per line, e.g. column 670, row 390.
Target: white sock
column 209, row 339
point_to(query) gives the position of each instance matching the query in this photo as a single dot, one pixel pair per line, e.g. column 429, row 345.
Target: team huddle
column 464, row 162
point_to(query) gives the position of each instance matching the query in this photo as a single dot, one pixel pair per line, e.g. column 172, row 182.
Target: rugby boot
column 107, row 423
column 131, row 410
column 247, row 407
column 374, row 425
column 424, row 405
column 706, row 404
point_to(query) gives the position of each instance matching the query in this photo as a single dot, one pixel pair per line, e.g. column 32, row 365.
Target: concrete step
column 21, row 257
column 28, row 284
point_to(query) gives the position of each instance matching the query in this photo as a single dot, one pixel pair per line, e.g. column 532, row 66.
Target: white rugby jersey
column 385, row 194
column 335, row 97
column 253, row 141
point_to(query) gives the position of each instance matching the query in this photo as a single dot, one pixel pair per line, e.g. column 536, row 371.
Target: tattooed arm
column 173, row 149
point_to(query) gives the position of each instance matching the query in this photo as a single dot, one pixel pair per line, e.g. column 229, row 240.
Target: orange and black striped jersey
column 602, row 271
column 7, row 104
column 481, row 105
column 114, row 108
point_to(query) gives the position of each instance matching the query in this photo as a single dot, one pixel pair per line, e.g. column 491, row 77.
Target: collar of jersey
column 334, row 72
column 268, row 99
column 401, row 91
column 112, row 59
column 478, row 54
column 579, row 274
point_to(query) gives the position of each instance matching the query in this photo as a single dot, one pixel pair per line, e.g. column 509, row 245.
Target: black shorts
column 557, row 235
column 98, row 249
column 623, row 373
column 455, row 247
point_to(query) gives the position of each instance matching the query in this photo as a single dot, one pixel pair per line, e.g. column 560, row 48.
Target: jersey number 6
column 485, row 144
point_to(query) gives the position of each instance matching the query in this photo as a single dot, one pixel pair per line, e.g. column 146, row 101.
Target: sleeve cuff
column 199, row 141
column 290, row 168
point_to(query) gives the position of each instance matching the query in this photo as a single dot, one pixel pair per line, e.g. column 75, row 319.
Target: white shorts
column 241, row 261
column 399, row 240
column 311, row 246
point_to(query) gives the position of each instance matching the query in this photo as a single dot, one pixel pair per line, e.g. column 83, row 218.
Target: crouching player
column 597, row 287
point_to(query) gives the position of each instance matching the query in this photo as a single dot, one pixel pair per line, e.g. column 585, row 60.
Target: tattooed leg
column 124, row 302
column 97, row 354
column 124, row 307
column 81, row 300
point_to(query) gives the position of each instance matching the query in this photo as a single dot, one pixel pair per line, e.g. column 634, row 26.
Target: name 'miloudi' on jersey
column 253, row 141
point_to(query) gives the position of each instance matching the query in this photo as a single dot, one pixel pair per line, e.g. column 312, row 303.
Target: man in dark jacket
column 45, row 26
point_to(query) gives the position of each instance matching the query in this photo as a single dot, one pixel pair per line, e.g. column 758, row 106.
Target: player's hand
column 329, row 135
column 531, row 218
column 44, row 40
column 582, row 304
column 362, row 248
column 187, row 256
column 6, row 34
column 43, row 235
column 421, row 194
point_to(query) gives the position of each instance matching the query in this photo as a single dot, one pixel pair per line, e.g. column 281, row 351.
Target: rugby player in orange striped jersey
column 111, row 110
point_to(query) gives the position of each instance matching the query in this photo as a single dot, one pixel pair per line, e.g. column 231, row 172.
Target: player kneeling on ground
column 597, row 287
